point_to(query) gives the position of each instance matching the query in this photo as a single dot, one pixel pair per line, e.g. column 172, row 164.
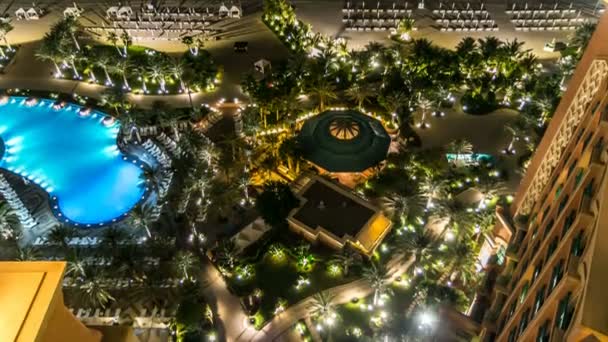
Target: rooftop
column 333, row 210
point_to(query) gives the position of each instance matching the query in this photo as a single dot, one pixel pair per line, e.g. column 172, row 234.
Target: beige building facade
column 552, row 285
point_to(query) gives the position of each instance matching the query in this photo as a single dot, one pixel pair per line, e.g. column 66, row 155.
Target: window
column 524, row 292
column 578, row 244
column 564, row 312
column 556, row 276
column 523, row 323
column 568, row 222
column 543, row 332
column 551, row 248
column 563, row 203
column 537, row 270
column 572, row 166
column 589, row 189
column 512, row 309
column 579, row 177
column 512, row 336
column 558, row 190
column 587, row 140
column 548, row 228
column 539, row 300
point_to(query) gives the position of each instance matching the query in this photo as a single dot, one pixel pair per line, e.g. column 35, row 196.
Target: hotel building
column 551, row 287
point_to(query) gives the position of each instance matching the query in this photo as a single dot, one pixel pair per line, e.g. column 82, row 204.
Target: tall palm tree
column 226, row 253
column 126, row 41
column 323, row 91
column 123, row 66
column 515, row 132
column 113, row 237
column 9, row 223
column 425, row 104
column 582, row 36
column 359, row 94
column 346, row 259
column 462, row 261
column 377, row 277
column 94, row 294
column 103, row 60
column 178, row 69
column 28, row 253
column 72, row 27
column 61, row 235
column 192, row 45
column 398, row 206
column 184, row 261
column 49, row 51
column 322, row 308
column 460, row 147
column 158, row 71
column 5, row 28
column 142, row 216
column 419, row 242
column 112, row 37
column 432, row 188
column 76, row 266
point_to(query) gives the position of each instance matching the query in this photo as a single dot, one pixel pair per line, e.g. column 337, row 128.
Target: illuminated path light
column 73, row 157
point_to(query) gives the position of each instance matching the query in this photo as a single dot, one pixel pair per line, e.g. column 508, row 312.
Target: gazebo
column 344, row 141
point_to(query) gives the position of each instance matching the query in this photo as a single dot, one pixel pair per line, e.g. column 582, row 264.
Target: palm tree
column 5, row 28
column 377, row 277
column 359, row 94
column 398, row 206
column 192, row 45
column 112, row 37
column 49, row 51
column 94, row 294
column 322, row 308
column 126, row 41
column 345, row 260
column 226, row 253
column 425, row 104
column 123, row 66
column 184, row 261
column 142, row 70
column 71, row 27
column 142, row 216
column 9, row 223
column 114, row 236
column 76, row 266
column 460, row 147
column 152, row 179
column 158, row 71
column 103, row 60
column 61, row 235
column 462, row 261
column 178, row 69
column 419, row 242
column 28, row 253
column 582, row 36
column 515, row 132
column 323, row 91
column 432, row 188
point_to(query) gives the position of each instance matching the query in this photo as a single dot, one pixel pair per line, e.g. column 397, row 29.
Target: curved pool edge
column 108, row 121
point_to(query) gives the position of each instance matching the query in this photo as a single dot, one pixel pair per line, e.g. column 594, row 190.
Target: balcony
column 513, row 252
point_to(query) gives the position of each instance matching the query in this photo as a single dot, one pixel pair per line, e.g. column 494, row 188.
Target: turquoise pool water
column 73, row 156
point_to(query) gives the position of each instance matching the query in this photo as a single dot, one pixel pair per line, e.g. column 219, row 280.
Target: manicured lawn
column 277, row 278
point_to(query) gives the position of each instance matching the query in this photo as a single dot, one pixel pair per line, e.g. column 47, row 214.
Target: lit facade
column 32, row 308
column 552, row 285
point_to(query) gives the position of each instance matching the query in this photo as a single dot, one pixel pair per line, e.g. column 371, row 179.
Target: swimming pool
column 70, row 152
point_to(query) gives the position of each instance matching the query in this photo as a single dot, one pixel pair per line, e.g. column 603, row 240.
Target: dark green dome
column 344, row 141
